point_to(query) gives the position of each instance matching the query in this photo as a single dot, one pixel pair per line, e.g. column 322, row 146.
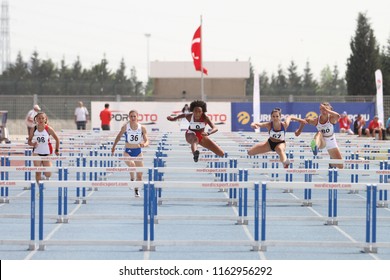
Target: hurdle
column 235, row 175
column 333, row 184
column 383, row 178
column 152, row 185
column 197, row 184
column 149, row 196
column 62, row 195
column 369, row 246
column 4, row 161
column 31, row 216
column 64, row 218
column 315, row 163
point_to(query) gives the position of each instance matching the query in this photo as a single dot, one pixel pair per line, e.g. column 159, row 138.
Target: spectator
column 105, row 117
column 184, row 122
column 345, row 124
column 388, row 126
column 358, row 126
column 81, row 115
column 375, row 127
column 30, row 122
column 186, row 109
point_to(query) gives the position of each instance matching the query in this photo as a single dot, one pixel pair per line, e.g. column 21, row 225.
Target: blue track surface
column 113, row 214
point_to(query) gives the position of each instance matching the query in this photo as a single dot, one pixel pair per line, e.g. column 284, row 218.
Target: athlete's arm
column 117, row 138
column 146, row 138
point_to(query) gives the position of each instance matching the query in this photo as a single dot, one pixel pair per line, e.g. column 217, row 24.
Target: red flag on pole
column 196, row 51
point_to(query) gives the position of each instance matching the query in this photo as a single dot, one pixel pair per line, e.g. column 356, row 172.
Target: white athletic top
column 196, row 125
column 277, row 134
column 327, row 129
column 44, row 146
column 133, row 136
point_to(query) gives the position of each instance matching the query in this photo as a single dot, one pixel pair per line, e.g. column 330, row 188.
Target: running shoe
column 196, row 156
column 136, row 193
column 314, row 147
column 286, row 164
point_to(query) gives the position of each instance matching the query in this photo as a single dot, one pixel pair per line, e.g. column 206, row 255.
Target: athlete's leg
column 259, row 148
column 336, row 154
column 47, row 163
column 129, row 163
column 192, row 140
column 37, row 163
column 212, row 146
column 280, row 149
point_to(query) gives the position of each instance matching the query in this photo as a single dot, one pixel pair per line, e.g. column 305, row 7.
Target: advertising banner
column 242, row 113
column 227, row 116
column 154, row 115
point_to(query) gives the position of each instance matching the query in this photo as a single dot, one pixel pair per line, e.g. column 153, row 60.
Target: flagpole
column 201, row 62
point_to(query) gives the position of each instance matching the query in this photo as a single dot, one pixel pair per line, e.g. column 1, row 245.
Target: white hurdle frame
column 149, row 203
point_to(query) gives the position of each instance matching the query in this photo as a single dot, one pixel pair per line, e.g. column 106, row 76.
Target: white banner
column 194, row 269
column 154, row 115
column 256, row 99
column 379, row 96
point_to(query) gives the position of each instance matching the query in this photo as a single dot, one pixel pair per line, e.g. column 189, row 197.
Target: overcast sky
column 268, row 33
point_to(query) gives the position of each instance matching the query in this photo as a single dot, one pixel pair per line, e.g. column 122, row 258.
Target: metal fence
column 60, row 108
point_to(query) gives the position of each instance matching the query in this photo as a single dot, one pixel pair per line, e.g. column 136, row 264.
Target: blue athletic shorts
column 133, row 152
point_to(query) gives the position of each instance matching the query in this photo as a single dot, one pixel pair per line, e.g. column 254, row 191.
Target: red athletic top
column 105, row 116
column 374, row 125
column 345, row 122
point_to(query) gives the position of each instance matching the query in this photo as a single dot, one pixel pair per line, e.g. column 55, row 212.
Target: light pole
column 147, row 35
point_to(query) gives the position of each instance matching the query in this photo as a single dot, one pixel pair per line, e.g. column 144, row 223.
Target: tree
column 294, row 80
column 47, row 70
column 45, row 77
column 136, row 84
column 338, row 84
column 363, row 61
column 326, row 81
column 35, row 64
column 249, row 82
column 309, row 85
column 100, row 72
column 122, row 84
column 149, row 87
column 279, row 82
column 76, row 70
column 16, row 71
column 64, row 72
column 120, row 74
column 385, row 68
column 264, row 83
